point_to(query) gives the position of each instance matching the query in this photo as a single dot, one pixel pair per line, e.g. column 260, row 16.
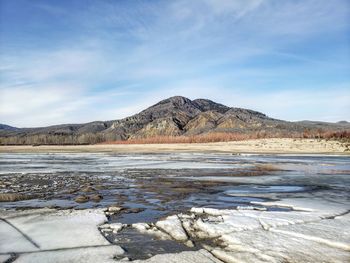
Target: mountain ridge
column 173, row 116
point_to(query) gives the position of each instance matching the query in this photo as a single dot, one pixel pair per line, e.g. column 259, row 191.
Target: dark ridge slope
column 170, row 117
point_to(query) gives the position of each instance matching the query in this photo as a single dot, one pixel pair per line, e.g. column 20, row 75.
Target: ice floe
column 48, row 235
column 200, row 256
column 313, row 228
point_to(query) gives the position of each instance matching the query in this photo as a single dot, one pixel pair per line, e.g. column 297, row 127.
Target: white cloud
column 42, row 106
column 40, row 66
column 124, row 58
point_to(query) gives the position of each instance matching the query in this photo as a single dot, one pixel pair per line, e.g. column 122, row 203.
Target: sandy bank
column 282, row 146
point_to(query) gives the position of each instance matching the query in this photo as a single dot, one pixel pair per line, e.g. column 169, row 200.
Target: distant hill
column 5, row 127
column 174, row 116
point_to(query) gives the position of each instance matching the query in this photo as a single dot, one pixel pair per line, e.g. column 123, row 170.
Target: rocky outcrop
column 170, row 117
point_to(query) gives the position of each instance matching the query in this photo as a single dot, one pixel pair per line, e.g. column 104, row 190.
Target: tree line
column 55, row 139
column 110, row 138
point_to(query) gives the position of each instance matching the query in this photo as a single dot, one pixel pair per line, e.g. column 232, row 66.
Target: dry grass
column 202, row 138
column 328, row 135
column 229, row 136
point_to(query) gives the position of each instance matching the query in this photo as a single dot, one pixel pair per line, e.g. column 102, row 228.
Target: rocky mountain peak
column 178, row 100
column 208, row 105
column 170, row 117
column 172, row 106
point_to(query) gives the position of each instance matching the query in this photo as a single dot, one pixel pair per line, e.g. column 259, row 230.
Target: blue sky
column 66, row 61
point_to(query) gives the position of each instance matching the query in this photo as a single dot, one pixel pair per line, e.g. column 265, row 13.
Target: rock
column 99, row 187
column 88, row 189
column 12, row 197
column 96, row 198
column 70, row 191
column 135, row 210
column 81, row 199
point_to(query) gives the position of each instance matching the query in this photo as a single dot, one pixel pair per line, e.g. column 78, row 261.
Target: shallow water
column 159, row 183
column 143, row 246
column 152, row 186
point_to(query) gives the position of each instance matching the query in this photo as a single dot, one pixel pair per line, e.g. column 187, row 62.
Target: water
column 152, row 186
column 142, row 246
column 161, row 183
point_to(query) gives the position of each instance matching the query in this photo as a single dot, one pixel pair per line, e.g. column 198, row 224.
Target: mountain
column 4, row 127
column 170, row 117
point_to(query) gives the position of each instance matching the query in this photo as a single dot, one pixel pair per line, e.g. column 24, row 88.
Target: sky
column 75, row 61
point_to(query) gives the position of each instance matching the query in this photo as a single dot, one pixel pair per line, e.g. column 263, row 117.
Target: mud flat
column 297, row 146
column 179, row 207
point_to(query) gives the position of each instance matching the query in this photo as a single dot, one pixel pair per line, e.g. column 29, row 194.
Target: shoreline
column 256, row 146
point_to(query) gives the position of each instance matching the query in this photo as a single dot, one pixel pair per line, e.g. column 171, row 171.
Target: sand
column 277, row 146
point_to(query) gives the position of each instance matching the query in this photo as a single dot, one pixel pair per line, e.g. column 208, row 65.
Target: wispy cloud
column 108, row 59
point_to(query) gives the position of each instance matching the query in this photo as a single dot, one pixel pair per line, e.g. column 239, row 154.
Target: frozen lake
column 150, row 187
column 166, row 181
